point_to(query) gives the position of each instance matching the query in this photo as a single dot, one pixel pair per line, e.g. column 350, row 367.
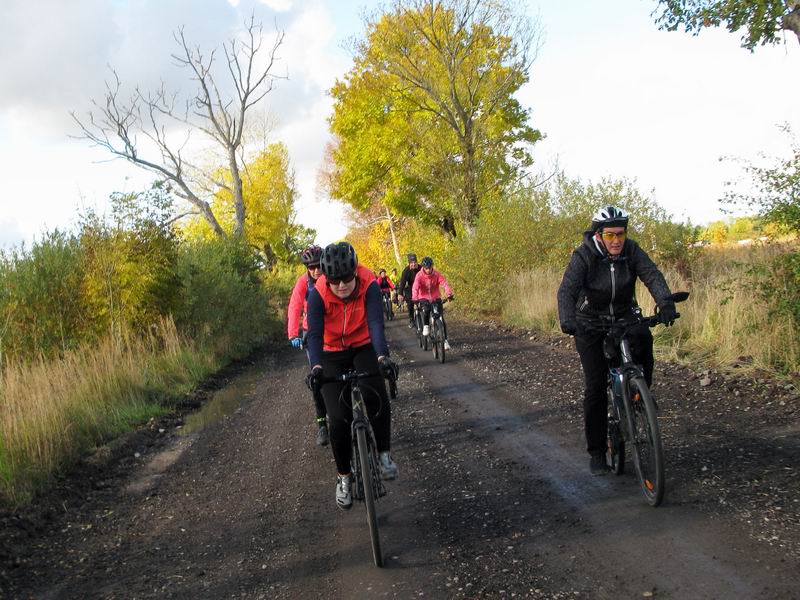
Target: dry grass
column 723, row 323
column 52, row 411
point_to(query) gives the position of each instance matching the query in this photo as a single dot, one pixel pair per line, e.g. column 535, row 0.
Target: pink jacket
column 426, row 287
column 297, row 305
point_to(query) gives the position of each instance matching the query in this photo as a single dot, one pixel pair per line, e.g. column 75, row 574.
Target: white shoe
column 344, row 496
column 447, row 345
column 387, row 467
column 426, row 330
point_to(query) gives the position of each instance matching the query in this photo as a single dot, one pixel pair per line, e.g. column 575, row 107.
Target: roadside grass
column 52, row 411
column 725, row 322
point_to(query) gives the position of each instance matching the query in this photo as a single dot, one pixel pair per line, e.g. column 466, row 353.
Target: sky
column 614, row 96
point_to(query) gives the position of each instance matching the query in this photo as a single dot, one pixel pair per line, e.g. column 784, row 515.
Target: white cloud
column 278, row 5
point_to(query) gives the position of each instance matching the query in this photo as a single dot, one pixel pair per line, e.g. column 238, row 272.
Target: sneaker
column 426, row 330
column 344, row 496
column 598, row 465
column 446, row 345
column 387, row 467
column 322, row 436
column 411, row 325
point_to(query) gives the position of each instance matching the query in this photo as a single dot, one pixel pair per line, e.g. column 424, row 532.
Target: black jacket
column 407, row 281
column 595, row 286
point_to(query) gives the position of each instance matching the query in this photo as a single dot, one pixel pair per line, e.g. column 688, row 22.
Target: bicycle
column 632, row 410
column 438, row 329
column 388, row 312
column 367, row 483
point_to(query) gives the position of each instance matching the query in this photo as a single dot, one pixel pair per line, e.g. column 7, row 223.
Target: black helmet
column 338, row 260
column 412, row 257
column 311, row 255
column 609, row 216
column 427, row 262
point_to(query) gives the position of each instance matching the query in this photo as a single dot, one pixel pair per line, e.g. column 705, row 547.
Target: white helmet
column 609, row 216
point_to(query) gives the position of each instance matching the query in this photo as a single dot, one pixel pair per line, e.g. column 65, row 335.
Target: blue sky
column 615, row 97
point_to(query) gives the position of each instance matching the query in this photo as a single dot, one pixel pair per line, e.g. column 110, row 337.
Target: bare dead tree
column 115, row 122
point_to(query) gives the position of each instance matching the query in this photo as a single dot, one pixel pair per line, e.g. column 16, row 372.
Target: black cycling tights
column 340, row 411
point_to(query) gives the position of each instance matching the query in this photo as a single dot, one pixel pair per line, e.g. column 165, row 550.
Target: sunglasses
column 338, row 280
column 613, row 235
column 313, row 267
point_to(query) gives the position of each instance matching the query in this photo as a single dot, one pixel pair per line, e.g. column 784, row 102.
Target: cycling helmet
column 427, row 262
column 338, row 260
column 609, row 216
column 412, row 257
column 311, row 255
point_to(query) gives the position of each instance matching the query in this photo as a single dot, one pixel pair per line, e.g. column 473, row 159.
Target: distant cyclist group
column 337, row 310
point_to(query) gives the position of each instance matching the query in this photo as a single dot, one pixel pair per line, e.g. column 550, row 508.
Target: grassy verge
column 53, row 411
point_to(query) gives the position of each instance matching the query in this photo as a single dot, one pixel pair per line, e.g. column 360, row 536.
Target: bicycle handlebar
column 356, row 375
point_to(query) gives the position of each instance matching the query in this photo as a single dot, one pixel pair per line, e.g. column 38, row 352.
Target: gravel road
column 495, row 498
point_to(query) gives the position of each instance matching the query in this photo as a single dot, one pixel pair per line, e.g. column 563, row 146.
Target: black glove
column 388, row 368
column 667, row 313
column 569, row 327
column 314, row 379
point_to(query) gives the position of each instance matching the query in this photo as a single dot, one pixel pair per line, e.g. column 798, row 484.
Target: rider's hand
column 296, row 342
column 667, row 313
column 314, row 379
column 388, row 367
column 450, row 298
column 569, row 327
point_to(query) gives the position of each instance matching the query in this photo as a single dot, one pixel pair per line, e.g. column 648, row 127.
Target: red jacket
column 426, row 287
column 297, row 305
column 384, row 282
column 346, row 321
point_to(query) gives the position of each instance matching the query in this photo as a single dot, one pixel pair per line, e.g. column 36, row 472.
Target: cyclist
column 406, row 285
column 310, row 257
column 385, row 282
column 426, row 291
column 599, row 287
column 345, row 330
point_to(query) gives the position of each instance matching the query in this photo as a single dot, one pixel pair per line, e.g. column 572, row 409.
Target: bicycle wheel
column 369, row 495
column 418, row 324
column 646, row 438
column 439, row 339
column 616, row 442
column 434, row 340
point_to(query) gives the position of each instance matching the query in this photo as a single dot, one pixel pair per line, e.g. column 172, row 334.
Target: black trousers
column 339, row 406
column 410, row 307
column 595, row 373
column 319, row 402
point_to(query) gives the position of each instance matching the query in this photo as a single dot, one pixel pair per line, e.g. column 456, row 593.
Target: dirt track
column 494, row 500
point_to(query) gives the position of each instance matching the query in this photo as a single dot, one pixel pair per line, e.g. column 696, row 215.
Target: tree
column 763, row 19
column 115, row 123
column 426, row 120
column 269, row 194
column 774, row 191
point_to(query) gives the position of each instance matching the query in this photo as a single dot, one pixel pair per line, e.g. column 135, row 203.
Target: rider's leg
column 410, row 306
column 322, row 435
column 337, row 404
column 595, row 400
column 641, row 340
column 426, row 316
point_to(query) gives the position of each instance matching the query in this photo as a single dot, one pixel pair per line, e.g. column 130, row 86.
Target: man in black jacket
column 407, row 283
column 598, row 287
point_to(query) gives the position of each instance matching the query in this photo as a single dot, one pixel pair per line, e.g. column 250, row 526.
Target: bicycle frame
column 361, row 421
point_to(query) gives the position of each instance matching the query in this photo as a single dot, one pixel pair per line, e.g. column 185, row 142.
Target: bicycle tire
column 615, row 451
column 646, row 440
column 369, row 495
column 439, row 339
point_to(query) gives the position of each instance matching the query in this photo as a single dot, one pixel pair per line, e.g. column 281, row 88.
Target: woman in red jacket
column 297, row 315
column 345, row 330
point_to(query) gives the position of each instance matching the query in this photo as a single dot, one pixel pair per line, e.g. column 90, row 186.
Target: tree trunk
column 238, row 198
column 394, row 236
column 791, row 21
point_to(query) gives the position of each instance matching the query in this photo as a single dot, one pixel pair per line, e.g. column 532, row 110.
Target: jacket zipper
column 613, row 291
column 584, row 305
column 344, row 327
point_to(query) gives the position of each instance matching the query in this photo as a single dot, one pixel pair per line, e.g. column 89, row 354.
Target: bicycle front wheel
column 646, row 438
column 439, row 339
column 369, row 494
column 615, row 451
